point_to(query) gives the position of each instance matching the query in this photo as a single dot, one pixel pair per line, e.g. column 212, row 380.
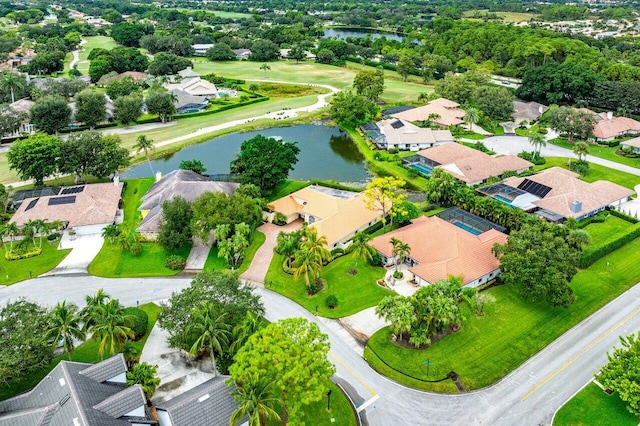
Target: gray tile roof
column 70, row 392
column 122, row 403
column 194, row 408
column 106, row 369
column 185, row 183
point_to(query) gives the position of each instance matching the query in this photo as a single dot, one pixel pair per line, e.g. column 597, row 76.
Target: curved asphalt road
column 528, row 396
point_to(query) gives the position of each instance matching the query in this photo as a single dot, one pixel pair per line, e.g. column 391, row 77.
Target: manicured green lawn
column 596, row 172
column 591, row 406
column 289, row 187
column 602, row 151
column 132, row 197
column 354, row 292
column 93, row 42
column 113, row 262
column 19, row 270
column 341, row 412
column 86, row 352
column 609, row 229
column 512, row 330
column 218, row 263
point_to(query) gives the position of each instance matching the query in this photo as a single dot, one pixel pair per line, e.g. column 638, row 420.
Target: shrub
column 532, row 157
column 136, row 249
column 54, row 236
column 590, row 256
column 175, row 262
column 337, row 252
column 315, row 286
column 394, row 151
column 398, row 274
column 593, row 219
column 375, row 260
column 624, row 216
column 331, row 301
column 543, row 131
column 23, row 254
column 139, row 321
column 279, row 219
column 614, row 143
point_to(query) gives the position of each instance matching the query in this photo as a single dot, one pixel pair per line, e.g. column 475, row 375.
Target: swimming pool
column 503, row 199
column 467, row 228
column 422, row 168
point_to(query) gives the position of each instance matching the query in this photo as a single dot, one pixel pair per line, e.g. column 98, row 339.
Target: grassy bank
column 591, row 406
column 511, row 331
column 602, row 151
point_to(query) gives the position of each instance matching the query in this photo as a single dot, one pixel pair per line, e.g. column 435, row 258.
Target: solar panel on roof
column 534, row 188
column 72, row 190
column 32, row 204
column 397, row 124
column 62, row 200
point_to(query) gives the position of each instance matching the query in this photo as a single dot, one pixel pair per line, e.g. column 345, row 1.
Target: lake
column 326, row 153
column 344, row 33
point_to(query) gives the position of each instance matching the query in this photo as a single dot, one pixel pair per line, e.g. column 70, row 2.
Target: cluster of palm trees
column 432, row 311
column 102, row 318
column 400, row 250
column 305, row 252
column 123, row 233
column 31, row 229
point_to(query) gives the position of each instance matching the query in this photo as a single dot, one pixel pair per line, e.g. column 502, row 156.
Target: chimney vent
column 576, row 206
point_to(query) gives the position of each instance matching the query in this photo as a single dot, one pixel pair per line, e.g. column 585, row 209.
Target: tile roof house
column 185, row 183
column 336, row 214
column 439, row 249
column 447, row 112
column 400, row 134
column 608, row 127
column 207, row 404
column 242, row 54
column 85, row 208
column 186, row 103
column 559, row 194
column 470, row 165
column 201, row 49
column 632, row 144
column 24, row 106
column 80, row 394
column 530, row 111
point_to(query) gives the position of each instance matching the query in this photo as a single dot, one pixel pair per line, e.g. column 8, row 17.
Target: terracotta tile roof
column 95, row 204
column 567, row 188
column 606, row 128
column 442, row 249
column 135, row 75
column 398, row 131
column 22, row 105
column 450, row 114
column 470, row 165
column 337, row 213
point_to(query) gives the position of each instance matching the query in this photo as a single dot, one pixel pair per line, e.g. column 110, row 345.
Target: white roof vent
column 76, row 422
column 62, row 382
column 204, row 397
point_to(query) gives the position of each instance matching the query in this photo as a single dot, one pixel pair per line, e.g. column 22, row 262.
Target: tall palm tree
column 537, row 140
column 39, row 227
column 210, row 329
column 11, row 81
column 255, row 399
column 581, row 150
column 144, row 144
column 360, row 248
column 400, row 250
column 66, row 326
column 315, row 244
column 307, row 264
column 250, row 324
column 110, row 327
column 471, row 117
column 10, row 229
column 131, row 353
column 287, row 244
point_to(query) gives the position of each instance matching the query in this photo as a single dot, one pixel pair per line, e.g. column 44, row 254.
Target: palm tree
column 110, row 327
column 10, row 229
column 433, row 117
column 210, row 329
column 222, row 231
column 131, row 353
column 360, row 248
column 39, row 227
column 287, row 244
column 581, row 150
column 127, row 236
column 66, row 326
column 265, row 67
column 11, row 81
column 471, row 117
column 250, row 324
column 111, row 232
column 537, row 140
column 145, row 145
column 255, row 399
column 144, row 374
column 311, row 242
column 400, row 250
column 307, row 264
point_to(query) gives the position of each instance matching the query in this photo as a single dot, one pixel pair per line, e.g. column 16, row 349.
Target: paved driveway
column 84, row 249
column 261, row 261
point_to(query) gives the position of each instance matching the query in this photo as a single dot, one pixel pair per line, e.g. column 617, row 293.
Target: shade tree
column 622, row 371
column 175, row 224
column 50, row 114
column 35, row 157
column 217, row 208
column 386, row 196
column 352, row 109
column 90, row 108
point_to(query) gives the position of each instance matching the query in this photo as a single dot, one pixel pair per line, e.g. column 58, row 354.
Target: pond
column 326, row 153
column 344, row 33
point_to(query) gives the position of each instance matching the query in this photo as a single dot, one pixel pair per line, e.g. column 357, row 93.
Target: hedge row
column 624, row 216
column 588, row 221
column 389, row 67
column 335, row 185
column 590, row 256
column 139, row 321
column 23, row 254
